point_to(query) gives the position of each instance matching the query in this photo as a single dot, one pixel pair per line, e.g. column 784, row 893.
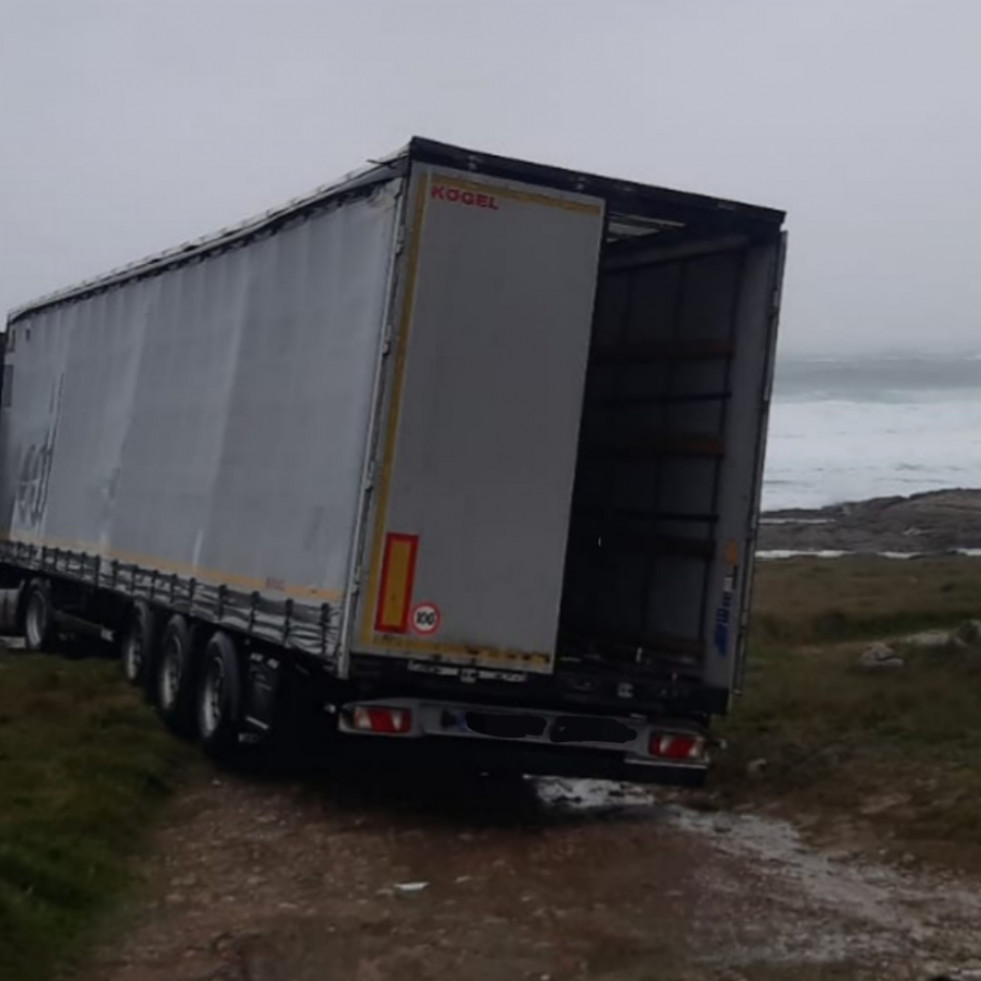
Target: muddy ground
column 317, row 878
column 934, row 523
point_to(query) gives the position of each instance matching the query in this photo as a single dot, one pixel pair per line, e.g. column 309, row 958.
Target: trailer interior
column 645, row 505
column 646, row 530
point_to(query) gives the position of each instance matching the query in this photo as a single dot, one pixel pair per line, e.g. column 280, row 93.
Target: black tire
column 39, row 617
column 137, row 649
column 218, row 702
column 174, row 677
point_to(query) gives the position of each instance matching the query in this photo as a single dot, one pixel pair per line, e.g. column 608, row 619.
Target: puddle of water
column 591, row 795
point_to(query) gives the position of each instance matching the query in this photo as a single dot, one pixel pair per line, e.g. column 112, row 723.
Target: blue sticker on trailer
column 723, row 617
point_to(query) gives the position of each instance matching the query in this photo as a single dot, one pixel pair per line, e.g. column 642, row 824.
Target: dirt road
column 317, row 879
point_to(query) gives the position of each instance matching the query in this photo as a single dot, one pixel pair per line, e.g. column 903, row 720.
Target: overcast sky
column 128, row 126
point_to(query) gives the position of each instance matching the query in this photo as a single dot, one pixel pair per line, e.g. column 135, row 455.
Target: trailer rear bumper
column 457, row 757
column 535, row 741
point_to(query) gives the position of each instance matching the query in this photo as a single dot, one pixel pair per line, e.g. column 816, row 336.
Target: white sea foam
column 795, row 521
column 770, row 554
column 830, row 553
column 833, row 441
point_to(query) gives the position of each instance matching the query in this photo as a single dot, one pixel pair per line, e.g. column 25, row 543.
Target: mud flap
column 261, row 689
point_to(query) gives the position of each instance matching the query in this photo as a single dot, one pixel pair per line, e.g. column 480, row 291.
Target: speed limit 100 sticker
column 426, row 618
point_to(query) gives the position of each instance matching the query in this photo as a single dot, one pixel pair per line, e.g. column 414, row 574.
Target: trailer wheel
column 137, row 651
column 219, row 696
column 174, row 677
column 39, row 616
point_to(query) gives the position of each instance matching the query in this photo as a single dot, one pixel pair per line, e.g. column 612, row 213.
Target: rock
column 184, row 881
column 969, row 632
column 756, row 768
column 410, row 888
column 878, row 651
column 932, row 639
column 880, row 656
column 175, row 898
column 222, row 943
column 933, row 523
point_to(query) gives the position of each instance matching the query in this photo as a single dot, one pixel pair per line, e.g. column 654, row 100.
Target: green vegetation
column 899, row 750
column 808, row 601
column 83, row 765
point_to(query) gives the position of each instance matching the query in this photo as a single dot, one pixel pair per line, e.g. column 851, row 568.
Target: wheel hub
column 133, row 655
column 35, row 626
column 170, row 676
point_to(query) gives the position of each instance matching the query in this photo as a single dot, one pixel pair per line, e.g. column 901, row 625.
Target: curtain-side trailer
column 463, row 450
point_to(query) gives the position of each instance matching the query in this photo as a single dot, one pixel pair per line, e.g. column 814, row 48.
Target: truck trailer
column 462, row 452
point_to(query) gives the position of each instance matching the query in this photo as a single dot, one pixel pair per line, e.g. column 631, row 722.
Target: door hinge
column 387, row 340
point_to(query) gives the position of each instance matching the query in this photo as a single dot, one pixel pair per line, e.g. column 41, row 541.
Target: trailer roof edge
column 622, row 196
column 666, row 201
column 375, row 172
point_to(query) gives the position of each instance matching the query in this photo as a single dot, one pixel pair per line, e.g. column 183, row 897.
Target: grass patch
column 901, row 748
column 801, row 601
column 83, row 765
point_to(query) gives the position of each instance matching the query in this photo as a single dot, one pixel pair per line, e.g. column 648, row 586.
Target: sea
column 872, row 427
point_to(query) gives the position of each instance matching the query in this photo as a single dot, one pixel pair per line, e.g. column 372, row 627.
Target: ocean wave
column 774, row 554
column 823, row 453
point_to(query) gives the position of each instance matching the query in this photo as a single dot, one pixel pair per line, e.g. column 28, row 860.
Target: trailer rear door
column 470, row 486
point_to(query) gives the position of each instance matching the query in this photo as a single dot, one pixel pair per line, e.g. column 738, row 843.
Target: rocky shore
column 924, row 524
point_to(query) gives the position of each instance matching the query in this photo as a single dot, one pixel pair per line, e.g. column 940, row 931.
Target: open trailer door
column 468, row 514
column 671, row 457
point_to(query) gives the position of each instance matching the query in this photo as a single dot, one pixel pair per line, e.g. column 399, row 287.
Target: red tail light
column 380, row 718
column 676, row 746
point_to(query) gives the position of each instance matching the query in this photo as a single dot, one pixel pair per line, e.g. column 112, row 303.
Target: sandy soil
column 924, row 524
column 276, row 879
